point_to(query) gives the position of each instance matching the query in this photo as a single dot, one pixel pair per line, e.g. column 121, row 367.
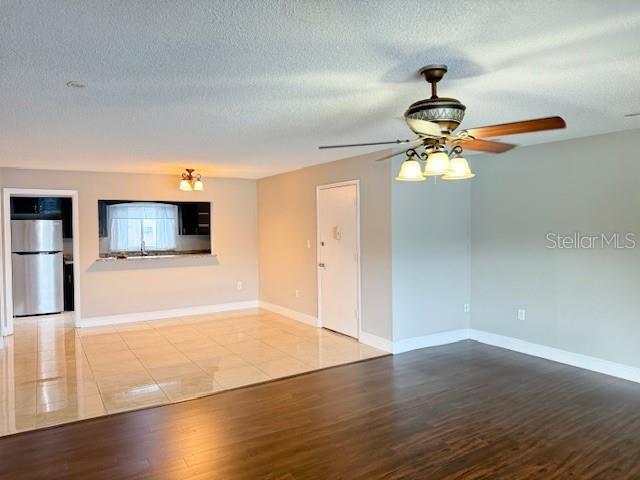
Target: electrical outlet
column 467, row 308
column 297, row 293
column 239, row 285
column 522, row 314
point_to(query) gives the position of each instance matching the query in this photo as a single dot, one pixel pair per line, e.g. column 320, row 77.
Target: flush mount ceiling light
column 435, row 121
column 190, row 181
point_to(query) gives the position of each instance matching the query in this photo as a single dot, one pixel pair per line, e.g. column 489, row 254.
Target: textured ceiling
column 251, row 88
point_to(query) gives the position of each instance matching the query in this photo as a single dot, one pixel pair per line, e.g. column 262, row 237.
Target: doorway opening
column 41, row 254
column 338, row 252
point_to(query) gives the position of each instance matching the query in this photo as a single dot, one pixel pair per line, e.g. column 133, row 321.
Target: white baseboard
column 376, row 342
column 442, row 338
column 365, row 337
column 160, row 314
column 287, row 312
column 562, row 356
column 550, row 353
column 414, row 343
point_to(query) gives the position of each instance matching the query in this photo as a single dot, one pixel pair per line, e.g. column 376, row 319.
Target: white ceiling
column 251, row 88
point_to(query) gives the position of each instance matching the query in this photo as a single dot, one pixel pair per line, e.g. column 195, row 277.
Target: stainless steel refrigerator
column 37, row 264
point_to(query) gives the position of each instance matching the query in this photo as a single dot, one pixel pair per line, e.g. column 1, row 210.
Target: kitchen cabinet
column 188, row 219
column 68, row 287
column 66, row 215
column 44, row 208
column 194, row 218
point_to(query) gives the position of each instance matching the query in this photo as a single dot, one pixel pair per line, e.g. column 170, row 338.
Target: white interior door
column 338, row 258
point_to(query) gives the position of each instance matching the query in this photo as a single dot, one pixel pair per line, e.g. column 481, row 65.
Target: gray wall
column 287, row 219
column 430, row 250
column 584, row 301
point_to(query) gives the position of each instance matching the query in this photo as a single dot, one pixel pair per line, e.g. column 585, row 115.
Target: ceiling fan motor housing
column 446, row 112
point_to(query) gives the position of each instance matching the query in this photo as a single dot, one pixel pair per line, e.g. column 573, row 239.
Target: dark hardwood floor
column 461, row 411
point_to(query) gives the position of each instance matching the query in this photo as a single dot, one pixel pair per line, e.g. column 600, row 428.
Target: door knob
column 321, row 265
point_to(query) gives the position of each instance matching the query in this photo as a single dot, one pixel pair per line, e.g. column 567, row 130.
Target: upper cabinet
column 44, row 208
column 194, row 218
column 66, row 211
column 103, row 228
column 32, row 207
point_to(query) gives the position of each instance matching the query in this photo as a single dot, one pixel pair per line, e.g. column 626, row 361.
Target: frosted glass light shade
column 410, row 171
column 198, row 185
column 459, row 170
column 185, row 185
column 437, row 164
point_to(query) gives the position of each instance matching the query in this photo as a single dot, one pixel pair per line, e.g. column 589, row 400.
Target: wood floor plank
column 462, row 411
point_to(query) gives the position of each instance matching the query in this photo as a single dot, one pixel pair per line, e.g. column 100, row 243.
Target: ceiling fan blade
column 423, row 127
column 387, row 157
column 525, row 126
column 488, row 146
column 417, row 140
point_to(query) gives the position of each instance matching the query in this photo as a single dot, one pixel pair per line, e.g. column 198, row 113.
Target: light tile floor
column 52, row 373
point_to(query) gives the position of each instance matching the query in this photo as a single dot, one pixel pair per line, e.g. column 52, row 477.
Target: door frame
column 319, row 188
column 6, row 322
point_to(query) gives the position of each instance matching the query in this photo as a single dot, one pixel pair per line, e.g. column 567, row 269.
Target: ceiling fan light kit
column 410, row 170
column 459, row 170
column 435, row 121
column 437, row 164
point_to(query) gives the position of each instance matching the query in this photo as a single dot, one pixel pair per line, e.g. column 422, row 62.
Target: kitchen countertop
column 154, row 257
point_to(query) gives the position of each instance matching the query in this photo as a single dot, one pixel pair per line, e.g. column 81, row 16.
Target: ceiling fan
column 435, row 120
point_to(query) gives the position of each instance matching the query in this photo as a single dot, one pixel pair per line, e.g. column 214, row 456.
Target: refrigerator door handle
column 35, row 253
